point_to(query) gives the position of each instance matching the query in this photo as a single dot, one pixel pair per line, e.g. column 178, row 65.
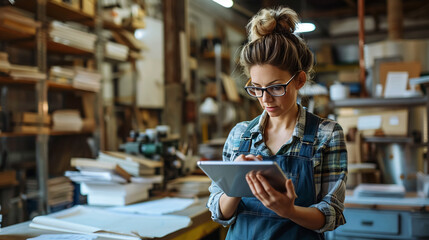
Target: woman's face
column 268, row 75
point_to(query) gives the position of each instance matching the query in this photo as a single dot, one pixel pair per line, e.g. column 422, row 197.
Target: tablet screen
column 231, row 176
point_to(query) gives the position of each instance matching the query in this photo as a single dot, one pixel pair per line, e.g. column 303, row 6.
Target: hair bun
column 268, row 21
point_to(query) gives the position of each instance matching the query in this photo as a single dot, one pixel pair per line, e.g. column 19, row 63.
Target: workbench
column 201, row 226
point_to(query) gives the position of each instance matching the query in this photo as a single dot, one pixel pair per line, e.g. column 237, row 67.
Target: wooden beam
column 173, row 24
column 395, row 17
column 361, row 15
column 371, row 10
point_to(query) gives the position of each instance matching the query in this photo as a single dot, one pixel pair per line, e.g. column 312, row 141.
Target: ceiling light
column 305, row 27
column 224, row 3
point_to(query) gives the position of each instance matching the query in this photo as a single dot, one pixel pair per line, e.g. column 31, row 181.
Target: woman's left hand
column 280, row 203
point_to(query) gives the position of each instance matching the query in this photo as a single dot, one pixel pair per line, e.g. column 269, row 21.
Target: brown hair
column 272, row 41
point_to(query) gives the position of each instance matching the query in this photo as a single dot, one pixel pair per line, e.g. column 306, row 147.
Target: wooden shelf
column 62, row 133
column 51, row 133
column 388, row 139
column 55, row 47
column 58, row 10
column 11, row 34
column 335, row 68
column 17, row 134
column 379, row 102
column 11, row 81
column 212, row 56
column 65, row 87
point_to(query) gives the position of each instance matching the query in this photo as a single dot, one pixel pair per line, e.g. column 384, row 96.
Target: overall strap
column 310, row 131
column 246, row 137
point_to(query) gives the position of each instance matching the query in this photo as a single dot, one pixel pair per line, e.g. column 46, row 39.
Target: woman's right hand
column 249, row 157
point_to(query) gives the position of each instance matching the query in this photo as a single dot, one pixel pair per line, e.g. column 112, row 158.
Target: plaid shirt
column 329, row 160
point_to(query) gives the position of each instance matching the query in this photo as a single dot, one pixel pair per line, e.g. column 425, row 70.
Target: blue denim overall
column 254, row 220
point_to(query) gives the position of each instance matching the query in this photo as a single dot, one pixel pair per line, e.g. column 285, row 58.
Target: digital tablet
column 231, row 176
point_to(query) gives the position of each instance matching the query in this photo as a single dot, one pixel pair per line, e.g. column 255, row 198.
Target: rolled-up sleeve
column 333, row 182
column 215, row 191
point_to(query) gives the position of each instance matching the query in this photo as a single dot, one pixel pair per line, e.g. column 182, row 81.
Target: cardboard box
column 390, row 123
column 413, row 69
column 88, row 6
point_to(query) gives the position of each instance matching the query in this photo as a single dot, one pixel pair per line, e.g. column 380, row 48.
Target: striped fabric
column 330, row 165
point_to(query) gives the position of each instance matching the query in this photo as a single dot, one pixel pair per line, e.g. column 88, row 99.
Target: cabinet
column 382, row 224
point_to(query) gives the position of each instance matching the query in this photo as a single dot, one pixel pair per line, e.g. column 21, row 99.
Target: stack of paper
column 134, row 165
column 116, row 51
column 66, row 120
column 25, row 72
column 106, row 183
column 61, row 74
column 115, row 194
column 191, row 186
column 379, row 190
column 97, row 171
column 86, row 79
column 60, row 192
column 65, row 34
column 14, row 19
column 4, row 62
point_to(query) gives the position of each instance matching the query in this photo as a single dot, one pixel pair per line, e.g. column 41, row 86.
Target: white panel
column 150, row 80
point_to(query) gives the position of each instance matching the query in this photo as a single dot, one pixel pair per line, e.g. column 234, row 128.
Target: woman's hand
column 280, row 203
column 249, row 157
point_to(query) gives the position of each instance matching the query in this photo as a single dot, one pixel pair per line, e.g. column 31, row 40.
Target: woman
column 310, row 150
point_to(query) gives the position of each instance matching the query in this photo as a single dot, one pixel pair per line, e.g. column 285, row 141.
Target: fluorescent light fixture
column 224, row 3
column 140, row 34
column 305, row 27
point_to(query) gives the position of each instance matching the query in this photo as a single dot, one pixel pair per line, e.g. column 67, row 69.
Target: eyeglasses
column 276, row 90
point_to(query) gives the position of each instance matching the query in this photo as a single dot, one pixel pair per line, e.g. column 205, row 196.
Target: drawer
column 420, row 226
column 371, row 222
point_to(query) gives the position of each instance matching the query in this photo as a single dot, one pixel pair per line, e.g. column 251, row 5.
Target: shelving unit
column 41, row 44
column 380, row 102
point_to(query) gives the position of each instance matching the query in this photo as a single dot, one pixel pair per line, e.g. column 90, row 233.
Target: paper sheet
column 63, row 237
column 157, row 207
column 125, row 223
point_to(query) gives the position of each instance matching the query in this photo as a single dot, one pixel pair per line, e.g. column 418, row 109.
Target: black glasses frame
column 265, row 89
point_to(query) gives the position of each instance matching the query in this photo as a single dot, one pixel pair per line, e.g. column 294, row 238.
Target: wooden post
column 362, row 77
column 395, row 17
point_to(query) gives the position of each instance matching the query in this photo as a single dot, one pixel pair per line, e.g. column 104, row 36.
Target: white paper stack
column 102, row 177
column 61, row 74
column 25, row 72
column 64, row 34
column 116, row 51
column 66, row 120
column 86, row 79
column 114, row 194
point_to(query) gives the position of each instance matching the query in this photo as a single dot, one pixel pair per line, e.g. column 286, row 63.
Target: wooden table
column 201, row 226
